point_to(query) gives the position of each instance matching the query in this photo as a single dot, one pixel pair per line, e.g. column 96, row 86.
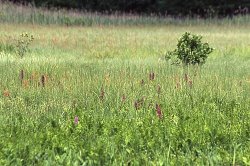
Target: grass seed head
column 21, row 75
column 102, row 94
column 123, row 98
column 107, row 79
column 25, row 83
column 186, row 78
column 190, row 83
column 240, row 83
column 142, row 82
column 158, row 89
column 76, row 120
column 43, row 79
column 178, row 85
column 151, row 76
column 34, row 76
column 158, row 111
column 6, row 93
column 136, row 105
column 139, row 103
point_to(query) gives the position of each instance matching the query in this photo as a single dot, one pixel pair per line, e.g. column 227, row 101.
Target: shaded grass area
column 102, row 76
column 28, row 14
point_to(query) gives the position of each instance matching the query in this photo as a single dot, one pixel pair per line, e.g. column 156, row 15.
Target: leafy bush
column 190, row 50
column 23, row 44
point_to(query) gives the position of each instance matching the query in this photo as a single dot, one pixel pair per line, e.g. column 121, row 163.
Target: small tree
column 23, row 43
column 190, row 50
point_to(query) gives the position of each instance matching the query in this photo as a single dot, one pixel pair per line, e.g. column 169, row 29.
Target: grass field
column 87, row 98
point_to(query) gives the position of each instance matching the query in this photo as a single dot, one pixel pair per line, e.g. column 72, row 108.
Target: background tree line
column 203, row 8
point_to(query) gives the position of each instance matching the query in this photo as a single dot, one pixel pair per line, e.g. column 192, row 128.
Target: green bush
column 23, row 44
column 190, row 50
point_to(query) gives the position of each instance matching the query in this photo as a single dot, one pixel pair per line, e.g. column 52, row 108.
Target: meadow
column 104, row 94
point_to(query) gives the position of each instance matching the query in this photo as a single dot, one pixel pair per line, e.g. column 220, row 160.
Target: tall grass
column 201, row 123
column 27, row 14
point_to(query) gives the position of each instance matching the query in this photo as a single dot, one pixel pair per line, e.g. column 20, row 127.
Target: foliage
column 163, row 7
column 17, row 14
column 190, row 50
column 23, row 43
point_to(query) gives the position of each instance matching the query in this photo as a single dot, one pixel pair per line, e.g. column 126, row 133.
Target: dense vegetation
column 164, row 7
column 105, row 95
column 10, row 13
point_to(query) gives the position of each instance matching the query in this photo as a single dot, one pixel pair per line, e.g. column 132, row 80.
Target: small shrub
column 23, row 44
column 190, row 50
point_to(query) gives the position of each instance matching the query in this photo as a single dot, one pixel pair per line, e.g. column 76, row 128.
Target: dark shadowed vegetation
column 201, row 8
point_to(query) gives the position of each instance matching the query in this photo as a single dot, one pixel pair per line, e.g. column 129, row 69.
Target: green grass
column 96, row 73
